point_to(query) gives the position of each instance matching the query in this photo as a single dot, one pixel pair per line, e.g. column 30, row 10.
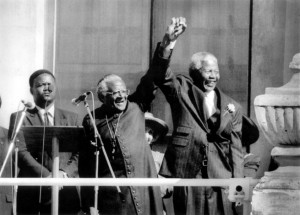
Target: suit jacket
column 5, row 191
column 30, row 163
column 193, row 139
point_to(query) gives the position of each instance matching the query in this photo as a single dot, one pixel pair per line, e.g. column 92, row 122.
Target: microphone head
column 28, row 104
column 73, row 101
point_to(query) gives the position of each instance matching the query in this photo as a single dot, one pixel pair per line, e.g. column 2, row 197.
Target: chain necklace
column 113, row 134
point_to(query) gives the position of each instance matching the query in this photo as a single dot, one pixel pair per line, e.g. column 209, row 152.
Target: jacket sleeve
column 164, row 77
column 159, row 74
column 86, row 165
column 145, row 92
column 250, row 131
column 236, row 146
column 26, row 161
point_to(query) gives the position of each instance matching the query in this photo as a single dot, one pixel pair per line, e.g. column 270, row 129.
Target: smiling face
column 116, row 95
column 149, row 135
column 207, row 76
column 43, row 90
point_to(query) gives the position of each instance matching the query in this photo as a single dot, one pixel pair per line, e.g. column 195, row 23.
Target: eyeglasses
column 118, row 93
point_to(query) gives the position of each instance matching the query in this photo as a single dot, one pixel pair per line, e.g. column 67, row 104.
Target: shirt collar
column 49, row 110
column 210, row 95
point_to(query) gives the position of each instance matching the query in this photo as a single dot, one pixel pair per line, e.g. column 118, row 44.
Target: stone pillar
column 278, row 115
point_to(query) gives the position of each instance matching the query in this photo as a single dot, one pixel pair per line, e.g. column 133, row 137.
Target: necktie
column 46, row 119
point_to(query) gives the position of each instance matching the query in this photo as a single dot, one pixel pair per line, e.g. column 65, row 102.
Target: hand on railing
column 166, row 190
column 61, row 174
column 93, row 211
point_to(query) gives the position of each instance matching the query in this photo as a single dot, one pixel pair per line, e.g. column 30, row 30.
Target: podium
column 55, row 138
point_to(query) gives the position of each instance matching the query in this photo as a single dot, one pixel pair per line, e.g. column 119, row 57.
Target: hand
column 165, row 190
column 176, row 28
column 61, row 174
column 93, row 211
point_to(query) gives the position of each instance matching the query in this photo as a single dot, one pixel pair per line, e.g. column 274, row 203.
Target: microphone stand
column 10, row 148
column 97, row 157
column 12, row 141
column 16, row 186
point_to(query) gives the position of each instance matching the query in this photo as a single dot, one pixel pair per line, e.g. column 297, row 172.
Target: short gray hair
column 197, row 61
column 102, row 84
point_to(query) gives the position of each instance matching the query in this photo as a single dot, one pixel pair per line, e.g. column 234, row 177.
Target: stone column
column 278, row 115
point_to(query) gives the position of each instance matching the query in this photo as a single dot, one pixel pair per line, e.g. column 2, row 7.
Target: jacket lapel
column 225, row 116
column 33, row 117
column 195, row 103
column 60, row 118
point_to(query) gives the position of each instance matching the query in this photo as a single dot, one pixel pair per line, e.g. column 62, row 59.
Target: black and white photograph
column 149, row 107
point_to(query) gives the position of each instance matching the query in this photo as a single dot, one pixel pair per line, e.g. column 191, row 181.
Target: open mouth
column 210, row 83
column 120, row 102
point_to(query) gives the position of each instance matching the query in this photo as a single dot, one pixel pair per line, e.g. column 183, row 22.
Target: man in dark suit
column 38, row 163
column 5, row 191
column 206, row 141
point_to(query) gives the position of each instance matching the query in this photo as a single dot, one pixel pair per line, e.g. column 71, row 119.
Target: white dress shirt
column 50, row 113
column 210, row 103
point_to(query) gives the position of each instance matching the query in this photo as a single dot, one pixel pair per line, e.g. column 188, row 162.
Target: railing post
column 55, row 174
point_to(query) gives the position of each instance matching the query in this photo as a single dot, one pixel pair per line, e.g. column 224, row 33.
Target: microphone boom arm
column 101, row 145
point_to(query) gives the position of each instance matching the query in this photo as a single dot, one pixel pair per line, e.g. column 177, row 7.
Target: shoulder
column 227, row 99
column 18, row 114
column 99, row 114
column 62, row 113
column 3, row 132
column 14, row 114
column 131, row 106
column 185, row 81
column 184, row 78
column 65, row 112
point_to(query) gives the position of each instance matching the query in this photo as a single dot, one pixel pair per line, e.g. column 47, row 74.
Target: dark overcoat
column 130, row 157
column 199, row 149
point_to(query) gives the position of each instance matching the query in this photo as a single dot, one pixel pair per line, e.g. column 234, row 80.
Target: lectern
column 57, row 138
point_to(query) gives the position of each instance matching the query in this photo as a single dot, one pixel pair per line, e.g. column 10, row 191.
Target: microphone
column 27, row 104
column 80, row 98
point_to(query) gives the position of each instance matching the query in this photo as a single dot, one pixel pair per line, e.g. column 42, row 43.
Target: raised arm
column 157, row 73
column 174, row 30
column 164, row 78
